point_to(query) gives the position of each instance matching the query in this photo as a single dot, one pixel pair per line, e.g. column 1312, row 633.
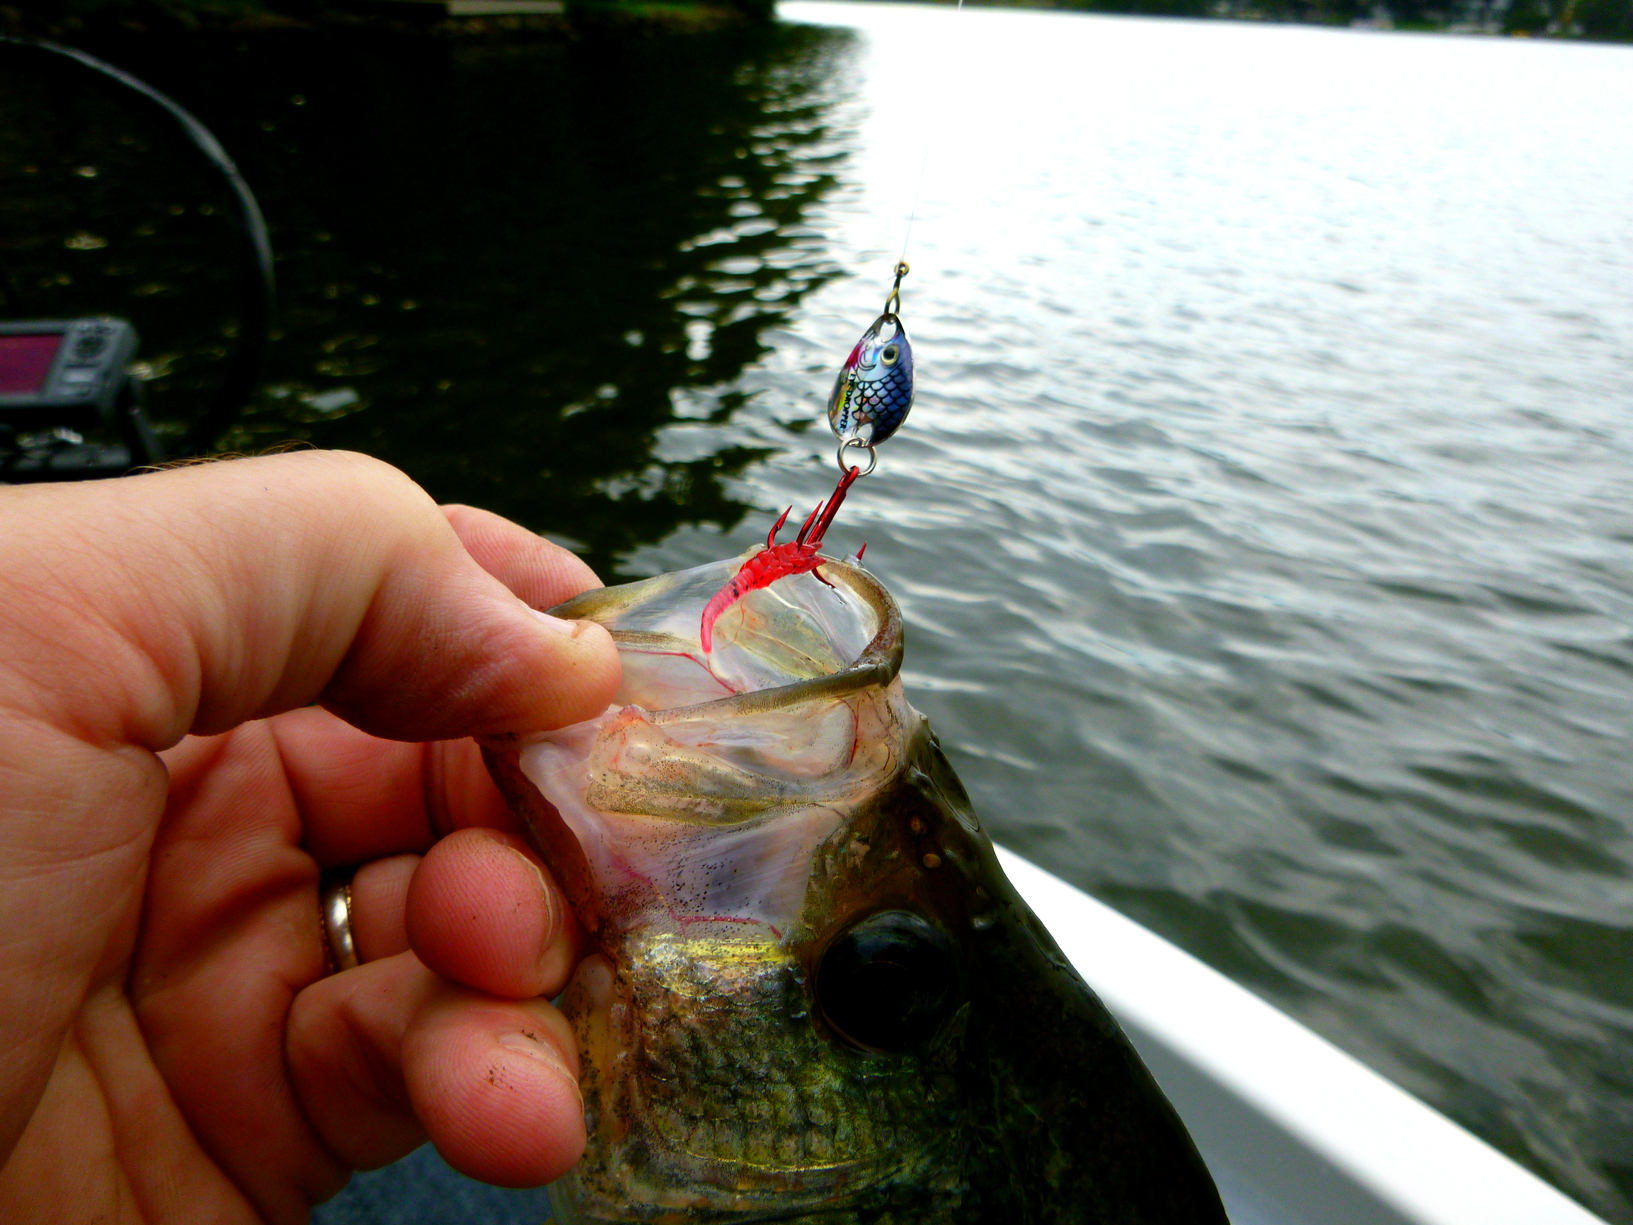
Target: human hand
column 172, row 1045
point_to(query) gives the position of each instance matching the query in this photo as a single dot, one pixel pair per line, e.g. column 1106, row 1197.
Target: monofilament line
column 929, row 139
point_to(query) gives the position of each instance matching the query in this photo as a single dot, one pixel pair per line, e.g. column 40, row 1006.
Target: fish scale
column 882, row 405
column 698, row 1045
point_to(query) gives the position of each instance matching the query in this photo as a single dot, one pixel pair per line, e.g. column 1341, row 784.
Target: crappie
column 815, row 996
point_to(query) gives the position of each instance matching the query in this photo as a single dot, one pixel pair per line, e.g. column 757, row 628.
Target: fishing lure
column 870, row 401
column 874, row 389
column 801, row 555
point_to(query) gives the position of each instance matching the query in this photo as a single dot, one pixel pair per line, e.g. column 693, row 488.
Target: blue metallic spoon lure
column 874, row 389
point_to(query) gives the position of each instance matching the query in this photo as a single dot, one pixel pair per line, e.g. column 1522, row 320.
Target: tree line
column 1606, row 20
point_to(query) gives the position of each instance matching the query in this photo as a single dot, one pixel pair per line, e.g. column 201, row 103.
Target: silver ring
column 336, row 899
column 847, row 444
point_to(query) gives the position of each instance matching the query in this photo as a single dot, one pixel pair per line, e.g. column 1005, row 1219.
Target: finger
column 386, row 1054
column 379, row 897
column 487, row 664
column 484, row 911
column 288, row 578
column 540, row 572
column 362, row 798
column 230, row 932
column 343, row 1045
column 496, row 1085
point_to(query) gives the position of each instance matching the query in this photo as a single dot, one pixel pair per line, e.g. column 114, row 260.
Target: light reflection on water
column 1262, row 526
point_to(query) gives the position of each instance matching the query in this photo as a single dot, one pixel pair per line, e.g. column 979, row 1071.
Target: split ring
column 857, row 444
column 336, row 904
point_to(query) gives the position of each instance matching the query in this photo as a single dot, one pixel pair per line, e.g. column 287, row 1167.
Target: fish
column 813, row 995
column 874, row 389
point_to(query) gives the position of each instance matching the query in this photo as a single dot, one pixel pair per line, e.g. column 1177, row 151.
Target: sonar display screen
column 25, row 361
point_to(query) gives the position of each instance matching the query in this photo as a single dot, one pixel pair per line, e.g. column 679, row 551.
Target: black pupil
column 890, row 353
column 888, row 982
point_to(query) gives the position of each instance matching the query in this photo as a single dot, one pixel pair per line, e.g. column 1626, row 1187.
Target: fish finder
column 64, row 372
column 73, row 374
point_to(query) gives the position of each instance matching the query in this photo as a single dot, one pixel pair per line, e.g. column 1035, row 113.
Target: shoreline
column 439, row 20
column 506, row 20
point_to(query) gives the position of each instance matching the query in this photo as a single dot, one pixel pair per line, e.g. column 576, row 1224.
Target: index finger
column 362, row 798
column 538, row 570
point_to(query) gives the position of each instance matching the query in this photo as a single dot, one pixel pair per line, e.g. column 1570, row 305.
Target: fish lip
column 878, row 664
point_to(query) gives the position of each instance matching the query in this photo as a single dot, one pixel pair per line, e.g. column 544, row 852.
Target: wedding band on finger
column 336, row 901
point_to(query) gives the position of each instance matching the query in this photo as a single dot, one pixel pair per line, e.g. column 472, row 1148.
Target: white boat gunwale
column 1296, row 1131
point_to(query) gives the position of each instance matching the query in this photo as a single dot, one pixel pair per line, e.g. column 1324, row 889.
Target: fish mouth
column 702, row 794
column 761, row 619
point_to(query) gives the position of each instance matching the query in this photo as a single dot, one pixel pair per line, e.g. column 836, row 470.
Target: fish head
column 814, row 995
column 874, row 389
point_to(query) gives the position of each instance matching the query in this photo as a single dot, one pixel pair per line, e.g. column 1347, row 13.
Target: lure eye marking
column 889, row 355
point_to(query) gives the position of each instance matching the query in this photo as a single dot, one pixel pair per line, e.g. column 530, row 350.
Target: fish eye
column 886, row 984
column 889, row 355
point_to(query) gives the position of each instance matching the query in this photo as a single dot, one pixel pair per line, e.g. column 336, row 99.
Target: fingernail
column 535, row 1046
column 568, row 628
column 552, row 919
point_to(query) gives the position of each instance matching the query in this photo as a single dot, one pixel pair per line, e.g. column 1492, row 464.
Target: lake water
column 1263, row 524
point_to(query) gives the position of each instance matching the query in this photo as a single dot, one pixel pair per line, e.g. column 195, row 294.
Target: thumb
column 202, row 597
column 445, row 649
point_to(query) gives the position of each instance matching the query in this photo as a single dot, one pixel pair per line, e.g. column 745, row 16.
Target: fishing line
column 929, row 141
column 869, row 402
column 874, row 390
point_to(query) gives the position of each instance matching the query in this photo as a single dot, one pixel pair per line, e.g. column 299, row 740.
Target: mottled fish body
column 815, row 997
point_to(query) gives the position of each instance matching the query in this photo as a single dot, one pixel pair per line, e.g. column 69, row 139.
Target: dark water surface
column 1263, row 526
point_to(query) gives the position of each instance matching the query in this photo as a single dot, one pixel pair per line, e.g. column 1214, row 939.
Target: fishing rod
column 77, row 371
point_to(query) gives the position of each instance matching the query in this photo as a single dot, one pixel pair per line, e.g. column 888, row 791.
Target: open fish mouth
column 815, row 997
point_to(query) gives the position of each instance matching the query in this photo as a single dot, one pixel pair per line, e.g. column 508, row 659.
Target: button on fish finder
column 90, row 346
